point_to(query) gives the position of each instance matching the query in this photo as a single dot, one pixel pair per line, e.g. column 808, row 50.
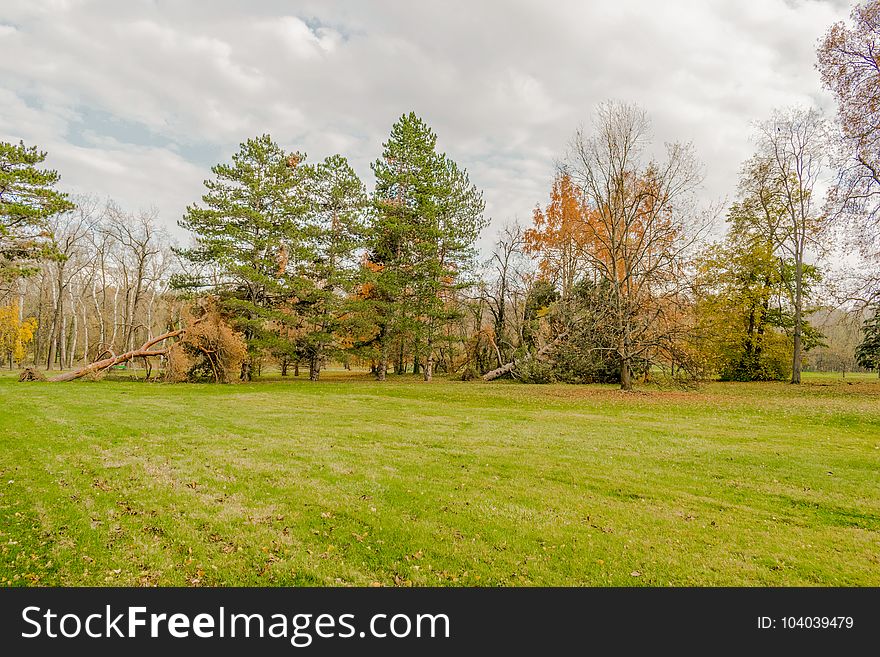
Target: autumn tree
column 783, row 181
column 559, row 234
column 427, row 216
column 743, row 306
column 28, row 199
column 16, row 334
column 849, row 62
column 640, row 229
column 250, row 231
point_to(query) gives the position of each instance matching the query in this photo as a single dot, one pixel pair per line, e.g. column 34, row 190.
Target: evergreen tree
column 868, row 352
column 250, row 234
column 335, row 237
column 27, row 200
column 427, row 218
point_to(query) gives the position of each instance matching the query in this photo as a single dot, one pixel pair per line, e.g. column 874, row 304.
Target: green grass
column 351, row 482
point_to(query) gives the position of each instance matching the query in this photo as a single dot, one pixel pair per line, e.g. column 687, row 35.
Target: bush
column 535, row 371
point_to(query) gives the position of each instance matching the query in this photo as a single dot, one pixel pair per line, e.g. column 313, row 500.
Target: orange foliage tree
column 639, row 230
column 559, row 235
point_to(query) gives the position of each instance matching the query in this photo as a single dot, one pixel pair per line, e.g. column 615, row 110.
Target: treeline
column 103, row 289
column 615, row 279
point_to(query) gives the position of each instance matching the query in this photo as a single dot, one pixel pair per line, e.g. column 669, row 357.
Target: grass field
column 350, row 482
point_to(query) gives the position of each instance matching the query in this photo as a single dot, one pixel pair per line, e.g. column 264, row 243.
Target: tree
column 742, row 307
column 140, row 242
column 783, row 178
column 70, row 231
column 868, row 351
column 559, row 235
column 27, row 200
column 505, row 289
column 586, row 319
column 335, row 237
column 427, row 216
column 639, row 230
column 849, row 63
column 251, row 230
column 15, row 334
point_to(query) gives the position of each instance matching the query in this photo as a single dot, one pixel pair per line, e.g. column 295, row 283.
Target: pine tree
column 335, row 237
column 27, row 200
column 250, row 235
column 427, row 218
column 868, row 352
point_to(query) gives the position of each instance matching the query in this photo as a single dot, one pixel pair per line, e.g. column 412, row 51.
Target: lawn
column 352, row 482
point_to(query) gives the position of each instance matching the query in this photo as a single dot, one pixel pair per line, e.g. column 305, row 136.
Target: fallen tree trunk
column 144, row 351
column 509, row 367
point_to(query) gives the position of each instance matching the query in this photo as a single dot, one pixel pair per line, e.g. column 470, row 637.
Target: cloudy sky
column 136, row 100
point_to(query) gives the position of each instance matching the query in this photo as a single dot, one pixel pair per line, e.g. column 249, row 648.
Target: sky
column 136, row 100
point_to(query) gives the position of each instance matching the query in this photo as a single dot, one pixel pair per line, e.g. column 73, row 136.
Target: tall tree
column 784, row 178
column 849, row 62
column 868, row 351
column 335, row 237
column 505, row 289
column 426, row 220
column 28, row 199
column 641, row 227
column 70, row 230
column 250, row 230
column 743, row 307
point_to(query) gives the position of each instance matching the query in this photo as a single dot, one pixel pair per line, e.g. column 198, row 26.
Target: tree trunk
column 99, row 314
column 509, row 367
column 53, row 331
column 400, row 367
column 314, row 367
column 798, row 323
column 115, row 317
column 74, row 332
column 625, row 376
column 62, row 342
column 296, row 367
column 625, row 370
column 284, row 365
column 143, row 352
column 85, row 320
column 382, row 365
column 417, row 355
column 245, row 371
column 429, row 361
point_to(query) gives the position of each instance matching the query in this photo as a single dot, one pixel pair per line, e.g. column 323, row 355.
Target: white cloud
column 136, row 100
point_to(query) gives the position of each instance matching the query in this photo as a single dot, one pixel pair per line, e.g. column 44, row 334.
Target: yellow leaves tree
column 15, row 334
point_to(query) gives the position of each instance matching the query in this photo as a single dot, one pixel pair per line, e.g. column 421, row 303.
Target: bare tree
column 70, row 231
column 509, row 276
column 139, row 242
column 640, row 228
